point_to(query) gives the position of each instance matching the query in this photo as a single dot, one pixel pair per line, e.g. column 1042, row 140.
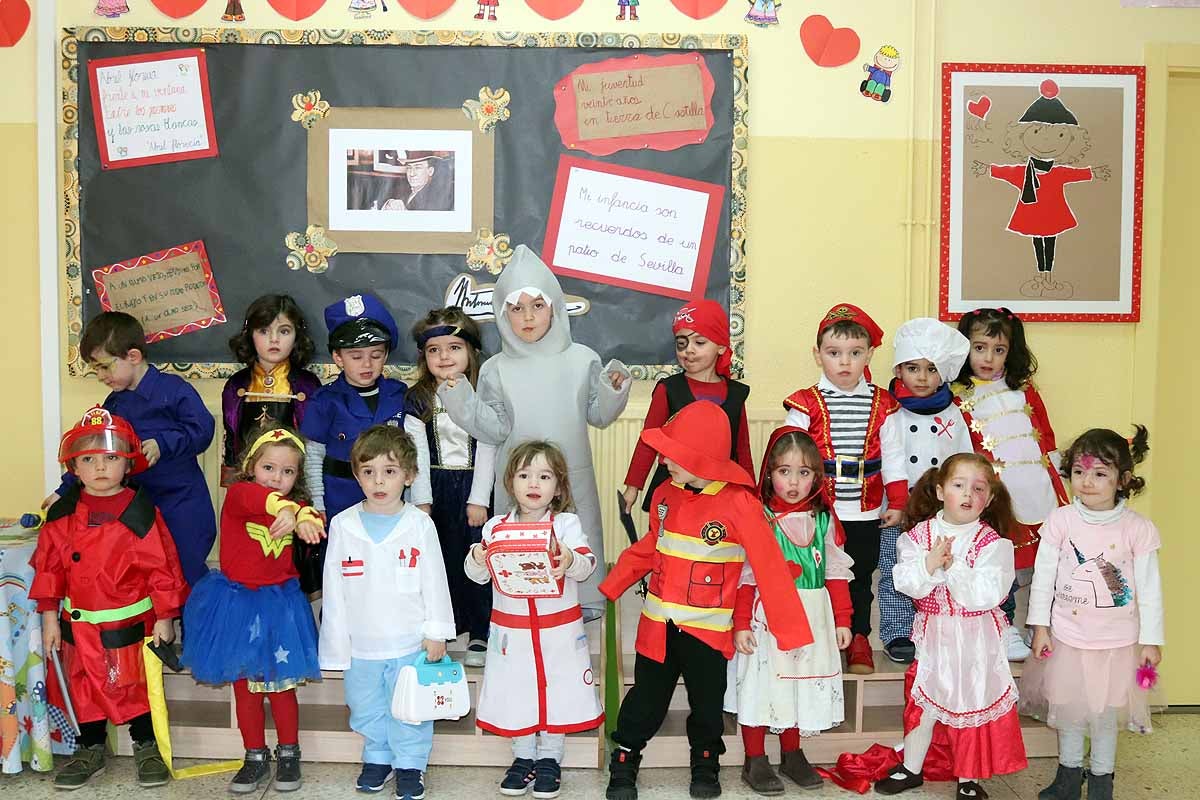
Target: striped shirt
column 848, row 418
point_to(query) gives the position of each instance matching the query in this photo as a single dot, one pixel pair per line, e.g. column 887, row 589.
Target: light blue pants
column 368, row 686
column 535, row 746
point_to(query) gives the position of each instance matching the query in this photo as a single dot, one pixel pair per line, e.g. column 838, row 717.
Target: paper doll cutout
column 878, row 85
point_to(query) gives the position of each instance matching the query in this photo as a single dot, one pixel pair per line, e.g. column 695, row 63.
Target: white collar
column 863, row 388
column 1099, row 517
column 954, row 531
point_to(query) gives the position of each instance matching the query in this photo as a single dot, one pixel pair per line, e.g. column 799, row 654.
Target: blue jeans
column 368, row 686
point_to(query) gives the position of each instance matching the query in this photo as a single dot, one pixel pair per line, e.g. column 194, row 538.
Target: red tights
column 252, row 717
column 754, row 740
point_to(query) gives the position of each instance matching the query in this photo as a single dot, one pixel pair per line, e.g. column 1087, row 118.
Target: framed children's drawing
column 1042, row 190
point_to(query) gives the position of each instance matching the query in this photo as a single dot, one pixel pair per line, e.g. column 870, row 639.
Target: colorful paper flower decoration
column 309, row 108
column 311, row 249
column 490, row 109
column 490, row 252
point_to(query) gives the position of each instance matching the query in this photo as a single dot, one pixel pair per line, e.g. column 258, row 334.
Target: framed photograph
column 400, row 180
column 1042, row 190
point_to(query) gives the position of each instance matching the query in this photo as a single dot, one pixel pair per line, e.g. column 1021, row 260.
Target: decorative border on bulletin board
column 737, row 44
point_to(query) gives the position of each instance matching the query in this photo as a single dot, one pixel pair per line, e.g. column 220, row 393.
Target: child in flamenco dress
column 1096, row 605
column 250, row 624
column 957, row 567
column 796, row 692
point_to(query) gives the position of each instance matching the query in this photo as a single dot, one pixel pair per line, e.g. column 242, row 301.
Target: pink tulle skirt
column 1074, row 686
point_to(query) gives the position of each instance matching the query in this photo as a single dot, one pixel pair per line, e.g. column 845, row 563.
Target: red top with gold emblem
column 249, row 555
column 694, row 553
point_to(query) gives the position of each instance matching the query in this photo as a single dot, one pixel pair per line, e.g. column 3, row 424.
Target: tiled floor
column 1163, row 765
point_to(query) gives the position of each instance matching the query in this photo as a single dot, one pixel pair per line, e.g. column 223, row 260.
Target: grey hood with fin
column 526, row 269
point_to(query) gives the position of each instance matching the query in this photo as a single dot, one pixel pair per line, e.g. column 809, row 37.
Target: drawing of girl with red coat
column 1050, row 138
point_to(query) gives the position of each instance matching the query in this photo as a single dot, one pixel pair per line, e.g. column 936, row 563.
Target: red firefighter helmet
column 109, row 434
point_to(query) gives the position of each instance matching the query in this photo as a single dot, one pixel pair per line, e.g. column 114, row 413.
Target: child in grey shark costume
column 551, row 388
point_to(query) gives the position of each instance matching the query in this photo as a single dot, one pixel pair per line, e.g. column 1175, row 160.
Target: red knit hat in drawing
column 1048, row 109
column 707, row 318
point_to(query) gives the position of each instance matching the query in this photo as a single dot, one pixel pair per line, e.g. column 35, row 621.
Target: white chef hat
column 927, row 338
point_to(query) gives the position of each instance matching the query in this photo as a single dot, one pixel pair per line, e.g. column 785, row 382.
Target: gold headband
column 270, row 437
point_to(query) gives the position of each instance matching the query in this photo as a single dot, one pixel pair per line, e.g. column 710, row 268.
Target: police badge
column 354, row 305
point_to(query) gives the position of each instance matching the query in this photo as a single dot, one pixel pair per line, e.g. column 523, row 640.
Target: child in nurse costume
column 538, row 684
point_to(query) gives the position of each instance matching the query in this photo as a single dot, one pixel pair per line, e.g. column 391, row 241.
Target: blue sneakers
column 547, row 779
column 517, row 779
column 410, row 784
column 373, row 777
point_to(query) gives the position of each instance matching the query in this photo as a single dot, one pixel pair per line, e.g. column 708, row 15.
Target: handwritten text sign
column 152, row 108
column 634, row 228
column 655, row 102
column 171, row 292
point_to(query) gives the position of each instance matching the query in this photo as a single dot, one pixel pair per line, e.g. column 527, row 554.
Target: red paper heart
column 981, row 107
column 554, row 9
column 296, row 9
column 826, row 45
column 426, row 9
column 14, row 21
column 177, row 9
column 699, row 9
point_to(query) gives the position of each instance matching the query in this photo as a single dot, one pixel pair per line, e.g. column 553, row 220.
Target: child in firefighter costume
column 707, row 521
column 538, row 685
column 106, row 557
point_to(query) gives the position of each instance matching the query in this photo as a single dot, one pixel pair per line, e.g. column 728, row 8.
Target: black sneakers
column 622, row 774
column 255, row 771
column 287, row 768
column 517, row 779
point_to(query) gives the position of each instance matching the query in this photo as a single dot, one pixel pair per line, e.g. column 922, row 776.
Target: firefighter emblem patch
column 713, row 532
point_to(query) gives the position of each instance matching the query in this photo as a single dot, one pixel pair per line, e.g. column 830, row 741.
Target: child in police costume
column 706, row 522
column 105, row 556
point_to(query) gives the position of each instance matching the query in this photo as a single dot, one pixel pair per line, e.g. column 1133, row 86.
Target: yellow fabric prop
column 162, row 730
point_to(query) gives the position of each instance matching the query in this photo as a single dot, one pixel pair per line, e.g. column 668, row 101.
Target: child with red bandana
column 701, row 332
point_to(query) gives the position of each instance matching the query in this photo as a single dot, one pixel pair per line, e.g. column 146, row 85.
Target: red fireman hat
column 697, row 438
column 112, row 434
column 845, row 312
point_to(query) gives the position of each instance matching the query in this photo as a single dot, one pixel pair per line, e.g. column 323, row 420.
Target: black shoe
column 547, row 778
column 970, row 790
column 373, row 777
column 706, row 780
column 1100, row 787
column 622, row 774
column 901, row 650
column 287, row 768
column 1067, row 785
column 410, row 784
column 517, row 779
column 255, row 771
column 900, row 780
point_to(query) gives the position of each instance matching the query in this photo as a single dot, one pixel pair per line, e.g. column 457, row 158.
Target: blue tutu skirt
column 265, row 635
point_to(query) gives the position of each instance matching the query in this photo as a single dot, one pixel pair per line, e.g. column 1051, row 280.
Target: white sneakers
column 1015, row 645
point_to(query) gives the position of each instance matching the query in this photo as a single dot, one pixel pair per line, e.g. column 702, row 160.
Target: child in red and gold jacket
column 704, row 524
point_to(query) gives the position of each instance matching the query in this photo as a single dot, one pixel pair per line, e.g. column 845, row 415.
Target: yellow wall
column 820, row 157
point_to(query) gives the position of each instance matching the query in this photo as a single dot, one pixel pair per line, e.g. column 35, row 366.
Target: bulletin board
column 251, row 204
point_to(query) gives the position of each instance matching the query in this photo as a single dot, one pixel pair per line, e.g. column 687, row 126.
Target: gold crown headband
column 270, row 437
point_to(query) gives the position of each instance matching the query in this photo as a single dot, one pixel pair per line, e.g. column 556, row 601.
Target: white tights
column 916, row 746
column 1103, row 730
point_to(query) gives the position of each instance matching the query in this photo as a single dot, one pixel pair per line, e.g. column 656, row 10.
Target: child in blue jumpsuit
column 361, row 334
column 173, row 425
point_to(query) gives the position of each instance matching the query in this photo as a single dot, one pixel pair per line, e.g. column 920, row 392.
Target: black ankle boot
column 1067, row 785
column 256, row 769
column 287, row 768
column 1100, row 787
column 622, row 774
column 706, row 770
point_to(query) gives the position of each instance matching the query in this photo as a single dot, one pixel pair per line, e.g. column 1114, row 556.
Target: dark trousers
column 1009, row 606
column 645, row 705
column 862, row 545
column 141, row 730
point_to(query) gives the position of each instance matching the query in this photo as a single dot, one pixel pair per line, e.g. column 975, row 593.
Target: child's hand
column 151, row 452
column 891, row 518
column 51, row 632
column 564, row 557
column 478, row 551
column 50, row 500
column 979, row 169
column 1102, row 173
column 310, row 531
column 744, row 642
column 1041, row 642
column 453, row 380
column 284, row 523
column 476, row 515
column 164, row 631
column 1151, row 654
column 844, row 637
column 617, row 379
column 434, row 649
column 939, row 555
column 629, row 497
